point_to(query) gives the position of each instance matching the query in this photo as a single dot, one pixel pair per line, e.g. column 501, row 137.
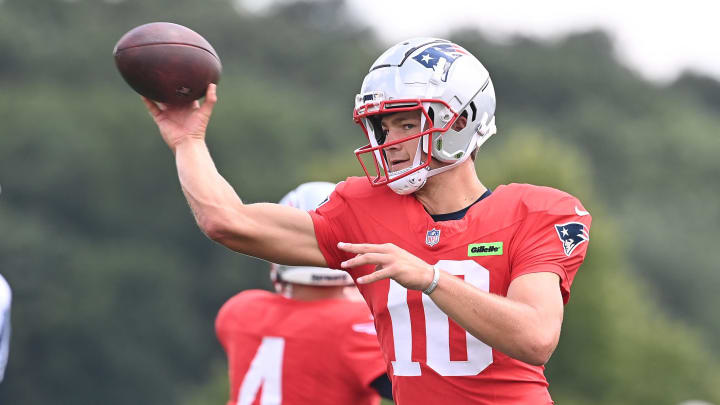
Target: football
column 167, row 62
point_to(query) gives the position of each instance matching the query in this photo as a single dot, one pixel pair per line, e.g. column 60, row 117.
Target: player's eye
column 408, row 127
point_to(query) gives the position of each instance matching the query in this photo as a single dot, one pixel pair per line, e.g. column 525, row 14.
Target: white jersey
column 5, row 299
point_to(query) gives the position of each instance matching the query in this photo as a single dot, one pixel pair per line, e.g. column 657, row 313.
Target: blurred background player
column 309, row 343
column 5, row 299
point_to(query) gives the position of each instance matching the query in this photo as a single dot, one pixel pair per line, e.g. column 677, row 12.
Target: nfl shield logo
column 433, row 237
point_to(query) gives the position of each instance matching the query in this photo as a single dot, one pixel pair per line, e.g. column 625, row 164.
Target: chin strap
column 410, row 183
column 465, row 157
column 486, row 129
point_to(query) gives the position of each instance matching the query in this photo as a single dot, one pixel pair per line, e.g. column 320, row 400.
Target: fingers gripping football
column 390, row 262
column 178, row 123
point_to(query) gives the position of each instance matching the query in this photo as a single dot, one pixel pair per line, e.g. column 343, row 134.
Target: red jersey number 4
column 266, row 372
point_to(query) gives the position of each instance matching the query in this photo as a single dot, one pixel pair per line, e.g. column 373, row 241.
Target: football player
column 308, row 343
column 5, row 299
column 467, row 285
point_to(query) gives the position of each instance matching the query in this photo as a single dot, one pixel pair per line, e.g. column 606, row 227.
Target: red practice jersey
column 516, row 230
column 284, row 351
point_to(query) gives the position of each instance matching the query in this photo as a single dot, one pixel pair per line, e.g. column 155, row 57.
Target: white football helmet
column 442, row 81
column 308, row 196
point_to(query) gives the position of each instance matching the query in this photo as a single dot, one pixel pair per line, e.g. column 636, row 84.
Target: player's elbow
column 539, row 357
column 540, row 348
column 214, row 230
column 220, row 228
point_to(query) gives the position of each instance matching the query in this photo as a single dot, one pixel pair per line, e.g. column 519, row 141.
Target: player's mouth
column 399, row 164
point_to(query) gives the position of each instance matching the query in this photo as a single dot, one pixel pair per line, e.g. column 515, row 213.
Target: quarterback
column 309, row 343
column 466, row 285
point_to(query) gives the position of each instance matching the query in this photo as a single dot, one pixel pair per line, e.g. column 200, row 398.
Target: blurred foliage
column 115, row 289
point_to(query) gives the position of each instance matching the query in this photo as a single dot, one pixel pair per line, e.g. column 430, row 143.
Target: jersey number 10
column 437, row 328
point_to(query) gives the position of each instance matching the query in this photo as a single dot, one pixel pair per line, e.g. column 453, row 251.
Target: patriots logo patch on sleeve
column 571, row 235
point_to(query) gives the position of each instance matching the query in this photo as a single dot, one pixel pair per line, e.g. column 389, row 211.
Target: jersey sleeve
column 553, row 239
column 327, row 221
column 361, row 351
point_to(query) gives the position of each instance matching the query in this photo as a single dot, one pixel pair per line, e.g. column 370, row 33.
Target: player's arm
column 524, row 325
column 260, row 230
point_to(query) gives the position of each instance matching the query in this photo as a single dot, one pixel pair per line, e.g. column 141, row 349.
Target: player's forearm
column 514, row 328
column 260, row 230
column 211, row 198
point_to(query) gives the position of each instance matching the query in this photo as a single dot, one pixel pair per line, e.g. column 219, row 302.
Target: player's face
column 397, row 126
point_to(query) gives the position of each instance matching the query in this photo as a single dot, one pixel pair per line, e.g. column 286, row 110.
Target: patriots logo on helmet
column 572, row 234
column 432, row 56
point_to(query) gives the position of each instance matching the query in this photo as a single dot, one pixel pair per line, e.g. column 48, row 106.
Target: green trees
column 116, row 289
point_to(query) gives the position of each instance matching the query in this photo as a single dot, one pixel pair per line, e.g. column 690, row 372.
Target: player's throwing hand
column 178, row 123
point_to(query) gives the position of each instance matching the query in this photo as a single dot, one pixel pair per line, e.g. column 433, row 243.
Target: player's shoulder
column 249, row 298
column 353, row 317
column 341, row 311
column 531, row 198
column 356, row 194
column 360, row 188
column 247, row 307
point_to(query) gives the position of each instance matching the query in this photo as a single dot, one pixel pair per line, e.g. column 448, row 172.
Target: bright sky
column 659, row 39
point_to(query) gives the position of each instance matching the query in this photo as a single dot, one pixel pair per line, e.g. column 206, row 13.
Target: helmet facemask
column 368, row 116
